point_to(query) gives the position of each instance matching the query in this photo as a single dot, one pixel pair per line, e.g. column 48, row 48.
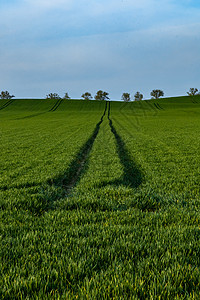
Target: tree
column 192, row 92
column 86, row 96
column 138, row 96
column 66, row 96
column 126, row 97
column 157, row 94
column 101, row 95
column 6, row 95
column 53, row 96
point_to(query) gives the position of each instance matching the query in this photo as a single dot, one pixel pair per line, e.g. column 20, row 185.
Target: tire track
column 194, row 100
column 66, row 182
column 157, row 105
column 54, row 108
column 70, row 178
column 133, row 176
column 6, row 104
column 56, row 105
column 44, row 197
column 79, row 164
column 31, row 116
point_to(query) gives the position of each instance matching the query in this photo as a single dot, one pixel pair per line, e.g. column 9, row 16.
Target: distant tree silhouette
column 126, row 97
column 192, row 92
column 6, row 95
column 66, row 96
column 138, row 96
column 86, row 96
column 53, row 96
column 157, row 94
column 100, row 95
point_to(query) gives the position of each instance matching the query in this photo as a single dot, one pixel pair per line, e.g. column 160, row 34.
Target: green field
column 100, row 200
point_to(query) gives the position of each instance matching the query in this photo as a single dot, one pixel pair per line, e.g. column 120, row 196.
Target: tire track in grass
column 42, row 198
column 56, row 105
column 132, row 175
column 31, row 116
column 63, row 185
column 54, row 108
column 78, row 166
column 144, row 108
column 6, row 104
column 157, row 105
column 194, row 99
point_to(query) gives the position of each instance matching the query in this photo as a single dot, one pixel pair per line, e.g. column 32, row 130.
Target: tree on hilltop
column 66, row 97
column 6, row 95
column 86, row 96
column 100, row 95
column 157, row 94
column 126, row 97
column 53, row 96
column 192, row 92
column 138, row 96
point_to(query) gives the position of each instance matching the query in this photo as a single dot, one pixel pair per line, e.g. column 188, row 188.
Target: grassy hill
column 100, row 200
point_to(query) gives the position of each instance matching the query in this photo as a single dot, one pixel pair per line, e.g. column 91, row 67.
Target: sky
column 117, row 46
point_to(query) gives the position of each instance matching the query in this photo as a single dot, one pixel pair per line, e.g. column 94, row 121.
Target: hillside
column 100, row 200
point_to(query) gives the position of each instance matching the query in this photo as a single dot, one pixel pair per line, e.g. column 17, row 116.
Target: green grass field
column 100, row 200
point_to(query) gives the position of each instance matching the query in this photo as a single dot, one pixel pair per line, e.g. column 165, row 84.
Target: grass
column 128, row 227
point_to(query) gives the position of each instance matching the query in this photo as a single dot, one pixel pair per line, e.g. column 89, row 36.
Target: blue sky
column 114, row 45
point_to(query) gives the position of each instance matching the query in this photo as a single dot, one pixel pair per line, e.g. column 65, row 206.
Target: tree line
column 6, row 95
column 102, row 95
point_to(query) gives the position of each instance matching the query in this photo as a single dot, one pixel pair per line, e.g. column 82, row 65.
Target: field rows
column 100, row 200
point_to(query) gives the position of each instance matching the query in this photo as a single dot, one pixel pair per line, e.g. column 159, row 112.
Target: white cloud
column 120, row 45
column 32, row 18
column 131, row 61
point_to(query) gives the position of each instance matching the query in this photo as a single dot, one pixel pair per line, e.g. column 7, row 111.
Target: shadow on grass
column 7, row 104
column 31, row 116
column 132, row 175
column 54, row 108
column 57, row 104
column 157, row 105
column 194, row 99
column 79, row 164
column 62, row 186
column 44, row 198
column 38, row 199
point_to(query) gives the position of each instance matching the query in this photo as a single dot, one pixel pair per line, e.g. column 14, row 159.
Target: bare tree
column 157, row 94
column 126, row 97
column 86, row 96
column 192, row 92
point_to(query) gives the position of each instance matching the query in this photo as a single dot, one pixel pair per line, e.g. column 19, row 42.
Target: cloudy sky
column 86, row 45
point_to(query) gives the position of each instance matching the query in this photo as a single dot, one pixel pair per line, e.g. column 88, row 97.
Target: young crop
column 100, row 200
